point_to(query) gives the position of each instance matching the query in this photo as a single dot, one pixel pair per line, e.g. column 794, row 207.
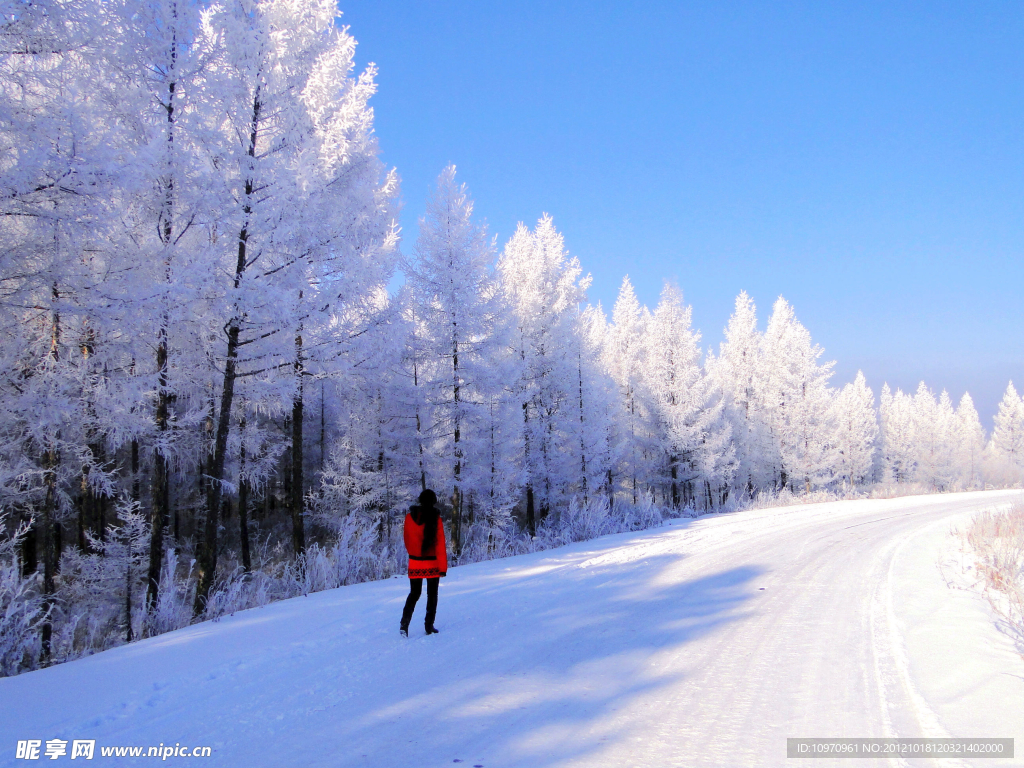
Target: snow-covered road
column 705, row 642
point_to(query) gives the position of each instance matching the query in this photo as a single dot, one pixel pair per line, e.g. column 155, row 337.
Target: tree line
column 209, row 397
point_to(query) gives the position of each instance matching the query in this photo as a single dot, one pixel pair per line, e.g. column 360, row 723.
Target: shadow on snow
column 534, row 671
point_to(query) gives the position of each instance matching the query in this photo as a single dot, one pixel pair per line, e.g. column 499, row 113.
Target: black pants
column 415, row 589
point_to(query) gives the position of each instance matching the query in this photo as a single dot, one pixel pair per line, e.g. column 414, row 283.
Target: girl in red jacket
column 428, row 558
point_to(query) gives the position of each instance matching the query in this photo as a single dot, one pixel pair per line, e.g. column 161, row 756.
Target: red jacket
column 425, row 565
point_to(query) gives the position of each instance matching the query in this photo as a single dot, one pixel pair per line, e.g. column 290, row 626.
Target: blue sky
column 864, row 160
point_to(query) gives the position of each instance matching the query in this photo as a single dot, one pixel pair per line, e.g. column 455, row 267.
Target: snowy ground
column 706, row 642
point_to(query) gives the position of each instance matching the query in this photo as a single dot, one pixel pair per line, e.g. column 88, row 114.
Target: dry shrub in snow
column 997, row 542
column 21, row 608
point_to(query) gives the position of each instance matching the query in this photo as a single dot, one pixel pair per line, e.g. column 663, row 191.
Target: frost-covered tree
column 543, row 288
column 896, row 421
column 626, row 359
column 969, row 438
column 458, row 308
column 933, row 438
column 156, row 87
column 797, row 401
column 739, row 371
column 58, row 204
column 688, row 407
column 298, row 157
column 104, row 590
column 856, row 435
column 595, row 400
column 1007, row 444
column 372, row 468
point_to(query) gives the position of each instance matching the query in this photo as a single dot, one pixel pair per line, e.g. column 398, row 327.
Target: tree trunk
column 494, row 467
column 456, row 522
column 583, row 438
column 207, row 555
column 632, row 439
column 135, row 472
column 419, row 430
column 44, row 531
column 457, row 450
column 297, row 497
column 243, row 503
column 29, row 552
column 130, row 635
column 45, row 542
column 323, row 425
column 207, row 559
column 90, row 507
column 531, row 517
column 545, row 505
column 83, row 502
column 160, row 511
